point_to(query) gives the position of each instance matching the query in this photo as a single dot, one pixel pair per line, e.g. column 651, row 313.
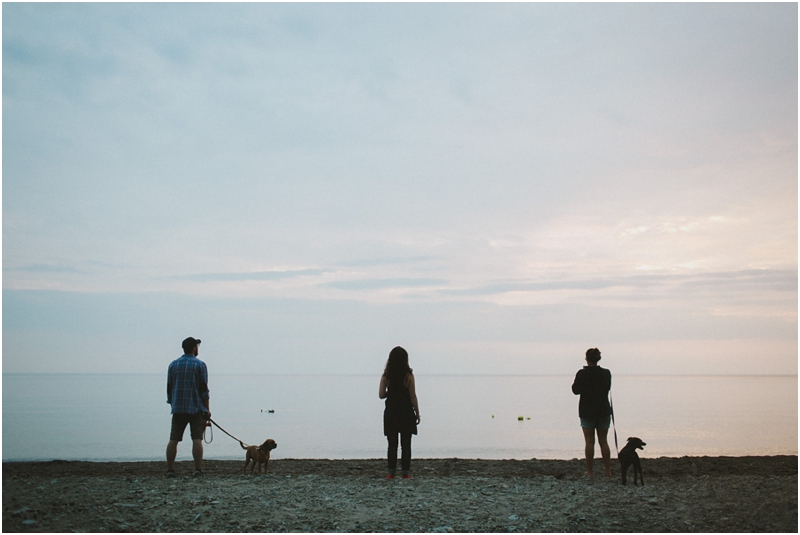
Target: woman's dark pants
column 405, row 461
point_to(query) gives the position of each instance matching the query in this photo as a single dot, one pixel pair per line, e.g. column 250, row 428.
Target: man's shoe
column 198, row 473
column 390, row 476
column 406, row 476
column 170, row 473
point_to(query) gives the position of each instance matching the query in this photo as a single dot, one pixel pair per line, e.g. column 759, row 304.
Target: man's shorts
column 597, row 423
column 197, row 425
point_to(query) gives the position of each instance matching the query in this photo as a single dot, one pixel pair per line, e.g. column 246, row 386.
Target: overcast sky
column 495, row 187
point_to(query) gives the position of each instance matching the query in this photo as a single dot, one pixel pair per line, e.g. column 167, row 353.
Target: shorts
column 197, row 425
column 597, row 423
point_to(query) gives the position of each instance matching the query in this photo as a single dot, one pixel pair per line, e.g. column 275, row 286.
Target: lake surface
column 126, row 417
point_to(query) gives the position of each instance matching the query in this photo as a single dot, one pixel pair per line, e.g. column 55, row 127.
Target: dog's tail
column 242, row 445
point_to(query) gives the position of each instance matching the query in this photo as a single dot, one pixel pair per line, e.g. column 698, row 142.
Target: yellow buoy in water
column 520, row 418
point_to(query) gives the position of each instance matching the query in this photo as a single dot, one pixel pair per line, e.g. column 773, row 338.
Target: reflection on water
column 116, row 417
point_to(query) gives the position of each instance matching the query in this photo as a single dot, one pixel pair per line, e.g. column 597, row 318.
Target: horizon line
column 430, row 374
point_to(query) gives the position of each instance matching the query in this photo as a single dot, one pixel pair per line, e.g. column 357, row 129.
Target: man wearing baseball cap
column 187, row 393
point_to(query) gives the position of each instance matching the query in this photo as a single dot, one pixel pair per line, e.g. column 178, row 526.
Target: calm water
column 126, row 417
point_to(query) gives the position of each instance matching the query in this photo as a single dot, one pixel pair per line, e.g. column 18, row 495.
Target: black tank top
column 397, row 395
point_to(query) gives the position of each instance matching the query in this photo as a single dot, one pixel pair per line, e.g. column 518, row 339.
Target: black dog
column 628, row 456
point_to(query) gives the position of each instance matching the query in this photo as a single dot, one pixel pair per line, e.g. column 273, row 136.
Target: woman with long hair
column 593, row 383
column 401, row 415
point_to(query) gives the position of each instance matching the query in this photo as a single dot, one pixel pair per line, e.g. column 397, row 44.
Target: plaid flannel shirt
column 187, row 385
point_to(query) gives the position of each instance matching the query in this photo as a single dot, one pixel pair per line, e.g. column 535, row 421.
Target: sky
column 494, row 187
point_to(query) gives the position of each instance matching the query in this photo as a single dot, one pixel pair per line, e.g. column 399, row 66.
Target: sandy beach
column 688, row 494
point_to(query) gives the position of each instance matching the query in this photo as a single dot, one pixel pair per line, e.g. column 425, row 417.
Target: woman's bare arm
column 382, row 388
column 412, row 391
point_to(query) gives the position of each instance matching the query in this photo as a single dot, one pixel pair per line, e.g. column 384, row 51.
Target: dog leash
column 616, row 443
column 221, row 429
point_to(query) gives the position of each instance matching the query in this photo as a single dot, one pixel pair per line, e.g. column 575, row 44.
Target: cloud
column 45, row 268
column 251, row 276
column 776, row 280
column 381, row 284
column 485, row 157
column 388, row 261
column 784, row 280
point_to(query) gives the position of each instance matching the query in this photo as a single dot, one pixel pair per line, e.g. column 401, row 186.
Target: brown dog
column 258, row 454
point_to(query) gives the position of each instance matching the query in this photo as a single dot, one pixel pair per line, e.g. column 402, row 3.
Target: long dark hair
column 397, row 368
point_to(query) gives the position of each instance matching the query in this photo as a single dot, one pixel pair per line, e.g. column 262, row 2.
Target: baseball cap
column 190, row 342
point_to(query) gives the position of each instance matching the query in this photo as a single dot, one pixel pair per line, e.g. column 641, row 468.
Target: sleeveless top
column 398, row 416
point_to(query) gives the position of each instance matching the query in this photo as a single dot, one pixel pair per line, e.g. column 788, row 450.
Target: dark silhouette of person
column 593, row 383
column 401, row 415
column 187, row 394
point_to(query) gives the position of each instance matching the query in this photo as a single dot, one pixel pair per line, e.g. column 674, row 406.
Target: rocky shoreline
column 687, row 494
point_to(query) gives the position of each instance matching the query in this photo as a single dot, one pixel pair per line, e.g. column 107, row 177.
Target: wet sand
column 687, row 494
